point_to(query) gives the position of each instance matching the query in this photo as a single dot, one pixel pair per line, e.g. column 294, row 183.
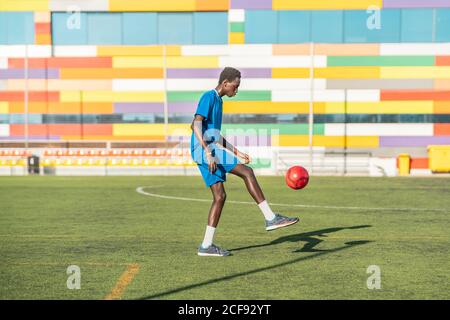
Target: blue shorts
column 225, row 163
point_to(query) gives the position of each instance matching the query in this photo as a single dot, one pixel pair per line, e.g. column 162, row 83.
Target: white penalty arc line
column 156, row 195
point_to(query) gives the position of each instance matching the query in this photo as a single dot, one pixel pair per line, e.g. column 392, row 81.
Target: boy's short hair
column 229, row 74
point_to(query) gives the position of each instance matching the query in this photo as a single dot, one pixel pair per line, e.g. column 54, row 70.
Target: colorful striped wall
column 213, row 5
column 373, row 95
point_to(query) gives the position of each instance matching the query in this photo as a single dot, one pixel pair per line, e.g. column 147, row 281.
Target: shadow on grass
column 307, row 236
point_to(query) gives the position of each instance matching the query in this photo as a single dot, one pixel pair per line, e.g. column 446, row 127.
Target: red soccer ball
column 297, row 177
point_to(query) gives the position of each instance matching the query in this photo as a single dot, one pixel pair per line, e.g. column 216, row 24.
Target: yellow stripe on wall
column 287, row 140
column 433, row 72
column 347, row 72
column 131, row 129
column 265, row 107
column 342, row 141
column 333, row 107
column 70, row 96
column 236, row 37
column 290, row 140
column 4, row 108
column 24, row 5
column 290, row 73
column 324, row 4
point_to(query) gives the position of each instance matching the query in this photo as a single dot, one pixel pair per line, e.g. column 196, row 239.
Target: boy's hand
column 212, row 166
column 243, row 157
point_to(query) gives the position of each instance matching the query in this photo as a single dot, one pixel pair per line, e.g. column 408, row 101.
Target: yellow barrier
column 439, row 158
column 404, row 166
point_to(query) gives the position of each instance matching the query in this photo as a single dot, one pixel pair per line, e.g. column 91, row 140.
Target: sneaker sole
column 282, row 225
column 211, row 254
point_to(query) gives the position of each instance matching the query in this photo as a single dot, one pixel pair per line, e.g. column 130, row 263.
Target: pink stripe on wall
column 413, row 141
column 251, row 4
column 416, row 4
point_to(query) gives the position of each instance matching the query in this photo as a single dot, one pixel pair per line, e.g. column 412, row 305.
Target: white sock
column 267, row 212
column 209, row 235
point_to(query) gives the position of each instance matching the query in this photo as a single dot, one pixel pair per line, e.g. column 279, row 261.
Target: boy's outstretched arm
column 242, row 156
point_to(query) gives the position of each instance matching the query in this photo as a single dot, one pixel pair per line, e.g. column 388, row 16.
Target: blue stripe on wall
column 210, row 27
column 139, row 28
column 16, row 28
column 417, row 25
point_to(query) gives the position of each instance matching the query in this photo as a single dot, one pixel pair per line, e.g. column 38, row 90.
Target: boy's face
column 231, row 88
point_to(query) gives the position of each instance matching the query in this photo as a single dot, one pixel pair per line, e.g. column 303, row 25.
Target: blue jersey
column 210, row 107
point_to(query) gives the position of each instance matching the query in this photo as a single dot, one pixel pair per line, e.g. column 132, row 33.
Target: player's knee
column 249, row 173
column 220, row 197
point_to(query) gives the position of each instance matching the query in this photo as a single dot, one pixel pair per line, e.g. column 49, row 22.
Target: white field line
column 156, row 195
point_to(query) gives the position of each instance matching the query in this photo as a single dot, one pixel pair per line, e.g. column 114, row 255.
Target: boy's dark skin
column 229, row 89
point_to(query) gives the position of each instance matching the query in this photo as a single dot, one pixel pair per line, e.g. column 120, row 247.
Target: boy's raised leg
column 273, row 220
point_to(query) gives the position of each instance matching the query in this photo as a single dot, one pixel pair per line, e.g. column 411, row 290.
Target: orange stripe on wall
column 442, row 129
column 62, row 62
column 64, row 107
column 64, row 129
column 97, row 129
column 91, row 62
column 443, row 60
column 33, row 129
column 32, row 96
column 42, row 27
column 48, row 108
column 115, row 138
column 97, row 108
column 37, row 63
column 109, row 73
column 441, row 107
column 414, row 95
column 46, row 129
column 33, row 107
column 43, row 39
column 208, row 5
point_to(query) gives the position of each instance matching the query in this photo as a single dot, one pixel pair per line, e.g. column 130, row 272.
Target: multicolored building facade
column 362, row 75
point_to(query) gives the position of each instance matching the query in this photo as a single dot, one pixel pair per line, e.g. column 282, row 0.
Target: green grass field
column 102, row 225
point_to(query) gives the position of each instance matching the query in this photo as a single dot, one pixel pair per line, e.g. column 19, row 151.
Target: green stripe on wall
column 260, row 163
column 237, row 27
column 251, row 96
column 185, row 96
column 382, row 61
column 283, row 128
column 178, row 96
